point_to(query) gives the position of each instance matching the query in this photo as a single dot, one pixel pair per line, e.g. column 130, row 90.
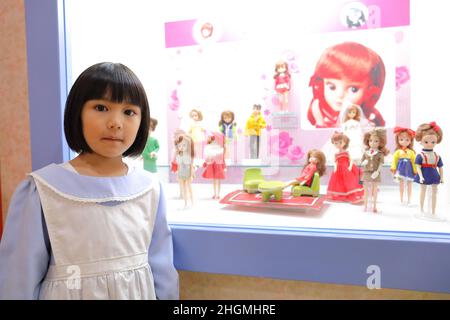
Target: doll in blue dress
column 92, row 228
column 428, row 163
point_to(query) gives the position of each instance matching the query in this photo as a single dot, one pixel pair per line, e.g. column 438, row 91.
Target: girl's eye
column 354, row 89
column 100, row 107
column 130, row 112
column 331, row 86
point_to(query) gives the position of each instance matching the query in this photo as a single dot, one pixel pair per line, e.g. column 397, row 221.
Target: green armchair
column 313, row 190
column 252, row 178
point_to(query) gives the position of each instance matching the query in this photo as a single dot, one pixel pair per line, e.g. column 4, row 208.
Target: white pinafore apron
column 100, row 251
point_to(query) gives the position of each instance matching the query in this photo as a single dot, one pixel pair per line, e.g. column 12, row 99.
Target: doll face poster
column 331, row 56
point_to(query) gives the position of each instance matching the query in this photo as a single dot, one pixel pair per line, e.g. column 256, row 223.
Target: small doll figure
column 344, row 181
column 429, row 163
column 227, row 126
column 214, row 161
column 184, row 158
column 346, row 73
column 197, row 132
column 403, row 163
column 315, row 162
column 151, row 148
column 253, row 127
column 351, row 127
column 282, row 83
column 372, row 162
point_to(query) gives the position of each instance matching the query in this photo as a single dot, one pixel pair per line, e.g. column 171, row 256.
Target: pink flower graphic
column 268, row 128
column 293, row 68
column 401, row 76
column 275, row 101
column 174, row 102
column 266, row 112
column 295, row 153
column 280, row 143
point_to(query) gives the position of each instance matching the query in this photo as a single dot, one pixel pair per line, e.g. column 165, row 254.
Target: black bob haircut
column 110, row 81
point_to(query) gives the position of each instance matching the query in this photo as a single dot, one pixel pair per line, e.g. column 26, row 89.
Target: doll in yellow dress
column 403, row 167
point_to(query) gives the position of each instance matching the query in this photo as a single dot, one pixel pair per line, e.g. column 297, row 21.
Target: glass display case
column 211, row 60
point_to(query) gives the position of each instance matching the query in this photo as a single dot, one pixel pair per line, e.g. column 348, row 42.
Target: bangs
column 117, row 86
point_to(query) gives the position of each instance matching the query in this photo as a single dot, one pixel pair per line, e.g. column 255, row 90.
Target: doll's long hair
column 226, row 113
column 354, row 61
column 321, row 160
column 281, row 64
column 381, row 134
column 185, row 138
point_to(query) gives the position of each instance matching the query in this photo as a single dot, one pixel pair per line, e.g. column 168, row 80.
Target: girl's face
column 110, row 128
column 374, row 142
column 182, row 146
column 429, row 141
column 352, row 113
column 339, row 144
column 281, row 68
column 227, row 118
column 404, row 139
column 194, row 116
column 339, row 92
column 256, row 112
column 313, row 159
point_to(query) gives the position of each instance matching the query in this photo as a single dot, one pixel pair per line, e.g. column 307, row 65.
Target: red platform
column 242, row 198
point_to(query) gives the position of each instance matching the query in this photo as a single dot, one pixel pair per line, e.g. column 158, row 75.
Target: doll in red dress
column 344, row 181
column 282, row 83
column 215, row 161
column 315, row 162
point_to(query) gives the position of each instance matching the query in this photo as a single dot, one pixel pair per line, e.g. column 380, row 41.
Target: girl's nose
column 114, row 123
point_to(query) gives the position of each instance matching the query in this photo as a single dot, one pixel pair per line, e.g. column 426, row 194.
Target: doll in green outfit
column 151, row 148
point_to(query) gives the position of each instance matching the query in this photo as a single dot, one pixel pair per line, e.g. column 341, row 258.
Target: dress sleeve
column 394, row 163
column 156, row 146
column 440, row 163
column 24, row 248
column 160, row 256
column 419, row 160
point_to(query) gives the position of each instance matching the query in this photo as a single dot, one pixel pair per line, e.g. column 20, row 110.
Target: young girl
column 92, row 228
column 344, row 181
column 346, row 73
column 429, row 163
column 282, row 83
column 151, row 148
column 315, row 162
column 197, row 132
column 351, row 127
column 214, row 161
column 372, row 162
column 403, row 163
column 184, row 159
column 227, row 126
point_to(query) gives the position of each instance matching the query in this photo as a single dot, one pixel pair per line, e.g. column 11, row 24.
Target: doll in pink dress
column 315, row 162
column 282, row 83
column 344, row 182
column 214, row 161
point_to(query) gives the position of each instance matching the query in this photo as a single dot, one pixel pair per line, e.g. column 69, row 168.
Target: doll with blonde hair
column 197, row 132
column 372, row 162
column 184, row 159
column 403, row 163
column 428, row 163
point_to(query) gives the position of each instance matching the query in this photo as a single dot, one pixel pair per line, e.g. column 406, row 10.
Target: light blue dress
column 116, row 241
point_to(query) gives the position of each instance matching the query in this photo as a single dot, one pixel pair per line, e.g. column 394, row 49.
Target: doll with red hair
column 403, row 162
column 346, row 73
column 429, row 164
column 215, row 161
